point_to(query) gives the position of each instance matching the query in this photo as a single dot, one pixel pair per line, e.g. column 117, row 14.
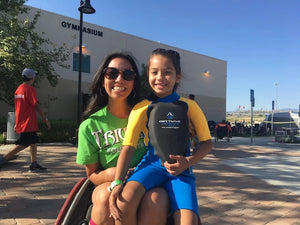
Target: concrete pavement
column 237, row 183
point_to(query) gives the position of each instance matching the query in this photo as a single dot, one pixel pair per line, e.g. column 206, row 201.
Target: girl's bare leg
column 185, row 217
column 154, row 207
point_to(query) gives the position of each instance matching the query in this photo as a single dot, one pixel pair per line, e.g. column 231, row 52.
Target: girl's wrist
column 189, row 163
column 114, row 184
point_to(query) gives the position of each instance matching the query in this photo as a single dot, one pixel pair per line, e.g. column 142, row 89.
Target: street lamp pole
column 85, row 7
column 276, row 97
column 79, row 72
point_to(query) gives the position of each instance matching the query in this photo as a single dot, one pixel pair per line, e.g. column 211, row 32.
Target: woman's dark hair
column 172, row 55
column 99, row 97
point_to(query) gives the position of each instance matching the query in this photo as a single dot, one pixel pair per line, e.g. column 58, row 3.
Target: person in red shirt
column 26, row 106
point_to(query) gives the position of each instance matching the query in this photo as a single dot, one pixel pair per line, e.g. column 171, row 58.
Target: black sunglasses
column 112, row 73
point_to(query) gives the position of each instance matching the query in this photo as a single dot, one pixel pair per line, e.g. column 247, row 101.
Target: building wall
column 61, row 102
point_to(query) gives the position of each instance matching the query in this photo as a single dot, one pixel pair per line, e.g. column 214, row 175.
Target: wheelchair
column 222, row 131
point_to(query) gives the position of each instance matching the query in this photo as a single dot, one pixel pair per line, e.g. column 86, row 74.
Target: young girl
column 168, row 160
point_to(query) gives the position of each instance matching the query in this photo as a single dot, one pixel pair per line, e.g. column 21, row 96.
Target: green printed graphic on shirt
column 100, row 139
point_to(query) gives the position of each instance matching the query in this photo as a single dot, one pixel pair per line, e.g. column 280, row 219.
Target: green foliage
column 21, row 47
column 2, row 139
column 3, row 125
column 146, row 90
column 12, row 6
column 61, row 131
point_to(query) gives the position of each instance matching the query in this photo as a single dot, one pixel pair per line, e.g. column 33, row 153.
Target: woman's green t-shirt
column 100, row 139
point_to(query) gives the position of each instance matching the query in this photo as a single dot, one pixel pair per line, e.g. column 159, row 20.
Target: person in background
column 223, row 129
column 26, row 106
column 115, row 90
column 192, row 96
column 167, row 164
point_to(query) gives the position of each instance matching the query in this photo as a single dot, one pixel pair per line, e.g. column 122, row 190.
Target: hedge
column 61, row 130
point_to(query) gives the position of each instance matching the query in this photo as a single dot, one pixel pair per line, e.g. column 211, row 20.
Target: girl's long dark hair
column 99, row 97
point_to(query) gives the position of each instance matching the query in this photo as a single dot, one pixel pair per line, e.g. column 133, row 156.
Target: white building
column 60, row 102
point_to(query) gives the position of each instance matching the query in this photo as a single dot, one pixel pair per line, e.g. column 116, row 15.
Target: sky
column 259, row 39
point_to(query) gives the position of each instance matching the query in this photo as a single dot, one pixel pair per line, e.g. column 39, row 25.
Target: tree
column 21, row 47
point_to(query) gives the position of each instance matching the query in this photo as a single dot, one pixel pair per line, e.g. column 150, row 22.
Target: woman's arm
column 99, row 176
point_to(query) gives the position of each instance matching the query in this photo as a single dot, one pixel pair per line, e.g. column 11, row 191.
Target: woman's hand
column 115, row 212
column 179, row 166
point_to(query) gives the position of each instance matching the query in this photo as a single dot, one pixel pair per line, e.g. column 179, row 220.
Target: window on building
column 85, row 63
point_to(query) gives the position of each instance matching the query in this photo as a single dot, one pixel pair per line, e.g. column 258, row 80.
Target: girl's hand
column 115, row 212
column 178, row 167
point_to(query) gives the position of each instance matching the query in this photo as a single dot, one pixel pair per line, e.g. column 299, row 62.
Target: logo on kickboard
column 170, row 115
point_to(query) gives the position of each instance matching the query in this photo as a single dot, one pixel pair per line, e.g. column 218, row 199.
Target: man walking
column 26, row 106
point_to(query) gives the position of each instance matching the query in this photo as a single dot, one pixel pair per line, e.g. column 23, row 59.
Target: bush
column 3, row 125
column 2, row 139
column 61, row 131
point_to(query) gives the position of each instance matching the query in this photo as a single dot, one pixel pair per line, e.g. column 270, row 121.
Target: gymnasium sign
column 84, row 29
